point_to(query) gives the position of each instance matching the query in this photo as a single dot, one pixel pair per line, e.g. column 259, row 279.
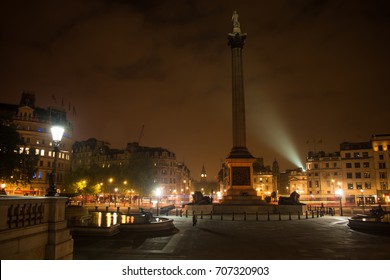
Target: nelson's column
column 240, row 161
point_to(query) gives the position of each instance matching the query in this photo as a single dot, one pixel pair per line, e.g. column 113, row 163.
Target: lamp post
column 362, row 199
column 56, row 132
column 339, row 193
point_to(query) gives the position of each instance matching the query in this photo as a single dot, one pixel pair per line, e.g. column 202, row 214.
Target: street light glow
column 57, row 132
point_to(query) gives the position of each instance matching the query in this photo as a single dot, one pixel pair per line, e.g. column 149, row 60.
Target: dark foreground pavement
column 324, row 238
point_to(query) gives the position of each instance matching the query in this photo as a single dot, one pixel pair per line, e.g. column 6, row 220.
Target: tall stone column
column 240, row 161
column 236, row 42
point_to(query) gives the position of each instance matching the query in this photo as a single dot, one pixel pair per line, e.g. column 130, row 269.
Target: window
column 357, row 164
column 350, row 186
column 348, row 165
column 349, row 175
column 335, row 164
column 381, row 157
column 365, row 154
column 347, row 155
column 383, row 185
column 380, row 147
column 366, row 164
column 356, row 154
column 382, row 175
column 366, row 174
column 359, row 186
column 367, row 185
column 39, row 175
column 358, row 175
column 315, row 165
column 41, row 163
column 382, row 165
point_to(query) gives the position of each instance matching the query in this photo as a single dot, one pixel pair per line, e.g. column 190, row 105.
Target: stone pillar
column 239, row 161
column 239, row 150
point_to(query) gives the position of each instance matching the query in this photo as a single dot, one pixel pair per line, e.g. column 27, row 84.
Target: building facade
column 360, row 170
column 33, row 125
column 170, row 176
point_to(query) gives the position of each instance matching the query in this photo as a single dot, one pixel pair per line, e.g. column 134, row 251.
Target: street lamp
column 2, row 190
column 339, row 193
column 56, row 132
column 362, row 199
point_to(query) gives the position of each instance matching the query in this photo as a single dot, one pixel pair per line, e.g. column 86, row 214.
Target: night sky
column 316, row 72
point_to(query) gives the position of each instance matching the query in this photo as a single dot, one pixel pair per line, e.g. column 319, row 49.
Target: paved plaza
column 323, row 238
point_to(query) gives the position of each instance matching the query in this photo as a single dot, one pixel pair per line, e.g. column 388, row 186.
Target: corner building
column 33, row 125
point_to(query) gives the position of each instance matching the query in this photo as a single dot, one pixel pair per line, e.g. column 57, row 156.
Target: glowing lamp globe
column 57, row 132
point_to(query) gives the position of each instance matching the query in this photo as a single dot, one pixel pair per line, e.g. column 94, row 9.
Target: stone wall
column 34, row 228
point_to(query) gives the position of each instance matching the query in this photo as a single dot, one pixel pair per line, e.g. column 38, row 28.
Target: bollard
column 233, row 216
column 186, row 213
column 307, row 216
column 211, row 215
column 244, row 216
column 177, row 212
column 280, row 217
column 201, row 214
column 268, row 218
column 128, row 210
column 299, row 215
column 257, row 216
column 96, row 208
column 106, row 208
column 289, row 215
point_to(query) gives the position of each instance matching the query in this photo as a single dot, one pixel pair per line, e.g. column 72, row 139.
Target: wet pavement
column 323, row 238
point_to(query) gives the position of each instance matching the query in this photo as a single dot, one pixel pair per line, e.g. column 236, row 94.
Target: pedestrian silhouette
column 194, row 220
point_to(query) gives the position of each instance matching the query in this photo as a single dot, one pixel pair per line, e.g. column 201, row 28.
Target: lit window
column 42, row 152
column 39, row 175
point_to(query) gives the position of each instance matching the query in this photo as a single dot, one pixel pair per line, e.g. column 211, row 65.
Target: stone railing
column 34, row 228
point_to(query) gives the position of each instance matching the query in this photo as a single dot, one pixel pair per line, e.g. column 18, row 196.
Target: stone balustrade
column 34, row 228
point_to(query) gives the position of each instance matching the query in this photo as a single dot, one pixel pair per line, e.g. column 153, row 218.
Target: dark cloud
column 314, row 69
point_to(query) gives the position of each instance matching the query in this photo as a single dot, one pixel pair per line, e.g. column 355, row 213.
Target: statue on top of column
column 236, row 23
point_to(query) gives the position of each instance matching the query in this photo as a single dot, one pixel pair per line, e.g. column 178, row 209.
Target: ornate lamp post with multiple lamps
column 56, row 132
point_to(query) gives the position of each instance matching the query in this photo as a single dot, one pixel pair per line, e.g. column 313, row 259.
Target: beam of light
column 272, row 132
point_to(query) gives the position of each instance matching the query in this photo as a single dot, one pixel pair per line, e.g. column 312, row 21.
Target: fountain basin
column 111, row 223
column 370, row 224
